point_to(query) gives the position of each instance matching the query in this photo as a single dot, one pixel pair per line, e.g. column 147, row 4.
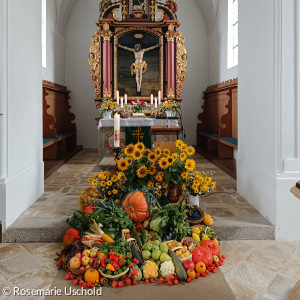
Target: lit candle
column 155, row 102
column 159, row 97
column 125, row 99
column 122, row 102
column 118, row 98
column 117, row 130
column 151, row 99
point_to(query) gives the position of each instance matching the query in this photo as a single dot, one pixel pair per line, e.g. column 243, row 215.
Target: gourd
column 142, row 230
column 137, row 237
column 135, row 204
column 136, row 255
column 139, row 275
column 180, row 271
column 208, row 220
column 92, row 276
column 211, row 247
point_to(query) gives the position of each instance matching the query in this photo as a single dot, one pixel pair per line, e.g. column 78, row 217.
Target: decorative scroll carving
column 181, row 63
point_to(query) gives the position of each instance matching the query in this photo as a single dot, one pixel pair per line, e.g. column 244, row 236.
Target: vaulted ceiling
column 208, row 8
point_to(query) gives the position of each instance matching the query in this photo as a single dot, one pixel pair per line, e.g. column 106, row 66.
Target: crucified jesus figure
column 139, row 66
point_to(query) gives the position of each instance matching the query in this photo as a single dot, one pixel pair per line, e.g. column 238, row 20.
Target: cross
column 137, row 134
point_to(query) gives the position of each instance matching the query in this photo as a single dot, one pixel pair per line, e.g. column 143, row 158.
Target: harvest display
column 127, row 231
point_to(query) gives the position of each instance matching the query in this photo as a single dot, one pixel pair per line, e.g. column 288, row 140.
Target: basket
column 113, row 277
column 77, row 272
column 192, row 240
column 177, row 248
column 197, row 221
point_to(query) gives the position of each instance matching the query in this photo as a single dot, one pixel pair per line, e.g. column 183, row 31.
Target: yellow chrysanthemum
column 140, row 146
column 170, row 160
column 152, row 157
column 163, row 163
column 179, row 144
column 190, row 150
column 167, row 152
column 129, row 150
column 119, row 183
column 213, row 185
column 183, row 156
column 109, row 183
column 101, row 176
column 157, row 152
column 208, row 180
column 196, row 182
column 103, row 183
column 109, row 193
column 115, row 192
column 159, row 193
column 95, row 182
column 150, row 184
column 89, row 180
column 190, row 164
column 184, row 175
column 122, row 164
column 137, row 154
column 194, row 187
column 203, row 188
column 196, row 191
column 114, row 178
column 175, row 156
column 152, row 170
column 142, row 172
column 165, row 185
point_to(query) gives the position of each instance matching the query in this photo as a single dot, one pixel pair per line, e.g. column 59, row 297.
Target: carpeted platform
column 212, row 287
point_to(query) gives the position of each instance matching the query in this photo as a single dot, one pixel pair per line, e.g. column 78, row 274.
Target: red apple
column 78, row 255
column 188, row 264
column 82, row 268
column 75, row 263
column 86, row 252
column 93, row 253
column 85, row 260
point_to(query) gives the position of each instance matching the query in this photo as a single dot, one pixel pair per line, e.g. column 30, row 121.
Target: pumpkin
column 92, row 276
column 191, row 273
column 212, row 247
column 71, row 236
column 200, row 267
column 135, row 204
column 208, row 220
column 200, row 254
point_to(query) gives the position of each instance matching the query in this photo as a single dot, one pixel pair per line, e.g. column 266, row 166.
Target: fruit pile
column 156, row 252
column 181, row 251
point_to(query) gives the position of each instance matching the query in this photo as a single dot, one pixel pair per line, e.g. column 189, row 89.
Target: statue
column 139, row 66
column 104, row 4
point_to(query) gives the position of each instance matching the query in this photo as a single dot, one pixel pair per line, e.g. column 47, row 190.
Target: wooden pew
column 59, row 133
column 218, row 130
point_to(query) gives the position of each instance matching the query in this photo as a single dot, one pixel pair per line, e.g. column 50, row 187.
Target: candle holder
column 116, row 151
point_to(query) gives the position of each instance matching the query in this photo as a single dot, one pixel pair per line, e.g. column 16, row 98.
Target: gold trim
column 162, row 15
column 161, row 39
column 171, row 94
column 95, row 63
column 181, row 63
column 106, row 93
column 124, row 10
column 171, row 34
column 152, row 10
column 106, row 33
column 114, row 15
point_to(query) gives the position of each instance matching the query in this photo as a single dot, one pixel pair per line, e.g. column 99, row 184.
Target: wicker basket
column 177, row 248
column 113, row 277
column 77, row 272
column 198, row 221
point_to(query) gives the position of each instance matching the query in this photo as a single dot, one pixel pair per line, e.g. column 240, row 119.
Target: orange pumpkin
column 135, row 204
column 200, row 267
column 191, row 273
column 92, row 276
column 208, row 220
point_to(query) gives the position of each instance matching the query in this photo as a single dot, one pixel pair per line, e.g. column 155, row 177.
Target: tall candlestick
column 155, row 102
column 125, row 99
column 159, row 97
column 118, row 98
column 151, row 99
column 117, row 130
column 122, row 102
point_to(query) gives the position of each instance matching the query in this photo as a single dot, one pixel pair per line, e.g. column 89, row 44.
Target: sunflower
column 196, row 191
column 175, row 156
column 140, row 146
column 159, row 176
column 142, row 172
column 109, row 193
column 208, row 180
column 163, row 163
column 203, row 188
column 95, row 182
column 170, row 160
column 190, row 164
column 190, row 150
column 178, row 144
column 184, row 147
column 213, row 185
column 129, row 161
column 109, row 183
column 152, row 157
column 101, row 176
column 129, row 150
column 119, row 183
column 89, row 179
column 103, row 183
column 167, row 152
column 137, row 154
column 196, row 182
column 159, row 193
column 182, row 156
column 147, row 151
column 152, row 170
column 184, row 175
column 114, row 178
column 157, row 152
column 150, row 184
column 115, row 192
column 122, row 164
column 165, row 185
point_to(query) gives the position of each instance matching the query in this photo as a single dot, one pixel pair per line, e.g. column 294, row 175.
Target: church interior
column 81, row 81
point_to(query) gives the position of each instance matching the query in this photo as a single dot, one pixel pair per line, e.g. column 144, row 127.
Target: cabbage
column 155, row 223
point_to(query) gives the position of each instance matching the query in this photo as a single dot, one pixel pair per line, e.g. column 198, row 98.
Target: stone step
column 52, row 230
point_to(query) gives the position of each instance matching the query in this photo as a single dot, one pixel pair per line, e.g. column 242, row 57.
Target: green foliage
column 79, row 221
column 120, row 246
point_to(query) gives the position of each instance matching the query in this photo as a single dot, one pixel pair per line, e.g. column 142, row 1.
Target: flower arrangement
column 169, row 105
column 110, row 185
column 106, row 106
column 138, row 106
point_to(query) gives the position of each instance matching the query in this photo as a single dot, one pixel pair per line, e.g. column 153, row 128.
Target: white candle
column 159, row 97
column 155, row 102
column 151, row 99
column 122, row 102
column 117, row 130
column 118, row 98
column 125, row 99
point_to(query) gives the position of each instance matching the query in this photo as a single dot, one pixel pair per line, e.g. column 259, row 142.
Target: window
column 233, row 33
column 44, row 34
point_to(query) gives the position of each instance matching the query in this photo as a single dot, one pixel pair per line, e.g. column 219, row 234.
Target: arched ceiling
column 208, row 8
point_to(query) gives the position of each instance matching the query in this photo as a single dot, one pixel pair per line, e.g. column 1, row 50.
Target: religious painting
column 138, row 8
column 138, row 64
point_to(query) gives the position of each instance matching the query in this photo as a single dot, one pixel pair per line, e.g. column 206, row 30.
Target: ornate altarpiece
column 128, row 23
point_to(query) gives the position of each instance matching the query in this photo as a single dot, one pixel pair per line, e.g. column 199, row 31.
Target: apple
column 82, row 268
column 91, row 261
column 188, row 264
column 78, row 255
column 216, row 258
column 86, row 252
column 75, row 263
column 85, row 260
column 93, row 253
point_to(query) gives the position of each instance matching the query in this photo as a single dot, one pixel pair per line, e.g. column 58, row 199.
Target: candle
column 155, row 102
column 117, row 130
column 118, row 99
column 122, row 102
column 159, row 97
column 151, row 99
column 125, row 99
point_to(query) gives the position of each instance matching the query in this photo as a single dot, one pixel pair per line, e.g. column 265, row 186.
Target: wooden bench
column 218, row 129
column 161, row 130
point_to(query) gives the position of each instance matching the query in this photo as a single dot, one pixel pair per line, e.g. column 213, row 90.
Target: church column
column 170, row 35
column 106, row 34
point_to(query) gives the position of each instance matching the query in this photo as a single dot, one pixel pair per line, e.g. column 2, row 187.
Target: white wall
column 269, row 111
column 80, row 29
column 217, row 45
column 23, row 182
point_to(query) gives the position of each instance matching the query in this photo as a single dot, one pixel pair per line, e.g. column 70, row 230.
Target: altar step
column 46, row 230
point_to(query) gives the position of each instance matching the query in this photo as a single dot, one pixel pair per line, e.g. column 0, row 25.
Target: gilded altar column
column 106, row 34
column 170, row 35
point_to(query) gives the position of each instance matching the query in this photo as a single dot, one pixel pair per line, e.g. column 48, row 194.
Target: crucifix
column 138, row 134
